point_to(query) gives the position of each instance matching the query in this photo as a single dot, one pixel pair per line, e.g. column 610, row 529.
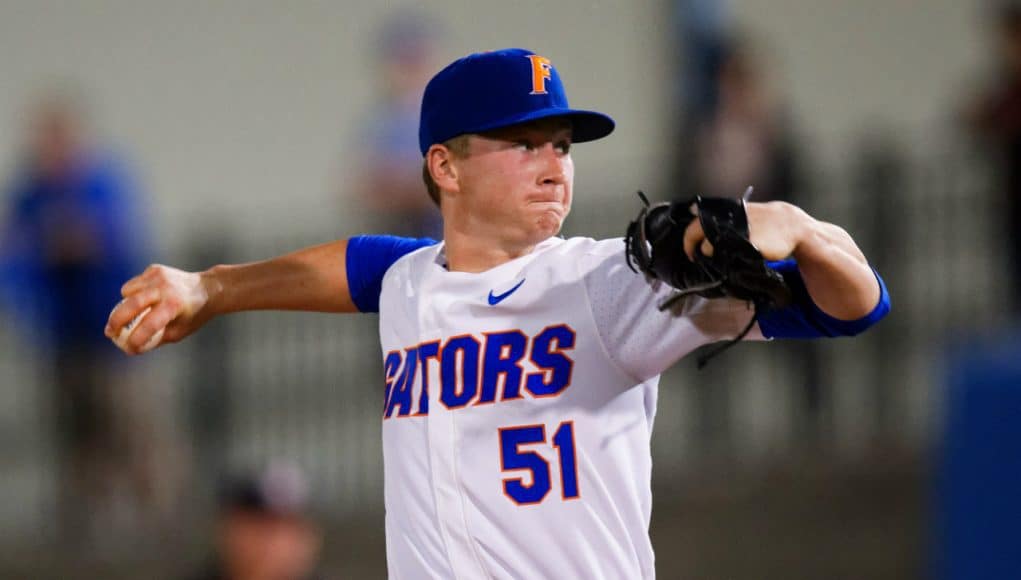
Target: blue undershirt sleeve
column 368, row 258
column 803, row 319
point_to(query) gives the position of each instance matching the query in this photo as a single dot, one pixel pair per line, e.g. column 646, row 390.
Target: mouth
column 546, row 198
column 551, row 213
column 555, row 207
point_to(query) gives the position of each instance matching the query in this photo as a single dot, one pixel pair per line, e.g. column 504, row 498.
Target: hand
column 179, row 304
column 775, row 228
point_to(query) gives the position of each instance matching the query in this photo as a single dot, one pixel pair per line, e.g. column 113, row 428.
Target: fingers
column 128, row 309
column 707, row 249
column 148, row 276
column 145, row 331
column 158, row 307
column 133, row 285
column 693, row 238
column 131, row 323
column 148, row 333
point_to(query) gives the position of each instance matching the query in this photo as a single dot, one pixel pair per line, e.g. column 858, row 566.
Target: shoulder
column 576, row 257
column 371, row 260
column 591, row 256
column 386, row 248
column 103, row 164
column 415, row 257
column 595, row 264
column 108, row 175
column 584, row 248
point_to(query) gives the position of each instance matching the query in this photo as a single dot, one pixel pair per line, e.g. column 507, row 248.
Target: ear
column 440, row 161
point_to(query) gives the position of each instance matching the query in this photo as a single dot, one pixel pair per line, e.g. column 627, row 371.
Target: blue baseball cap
column 490, row 90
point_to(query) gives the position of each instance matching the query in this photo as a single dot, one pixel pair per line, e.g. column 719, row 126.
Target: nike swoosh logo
column 494, row 300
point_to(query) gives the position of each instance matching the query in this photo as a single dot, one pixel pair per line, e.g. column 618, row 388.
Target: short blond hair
column 458, row 147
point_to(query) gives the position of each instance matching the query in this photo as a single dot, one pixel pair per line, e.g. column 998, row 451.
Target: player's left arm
column 834, row 271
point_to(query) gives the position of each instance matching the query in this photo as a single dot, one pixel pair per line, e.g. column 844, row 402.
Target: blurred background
column 200, row 133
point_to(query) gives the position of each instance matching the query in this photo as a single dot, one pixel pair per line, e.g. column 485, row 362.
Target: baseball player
column 520, row 368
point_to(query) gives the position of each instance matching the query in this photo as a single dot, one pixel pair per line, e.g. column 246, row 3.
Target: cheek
column 481, row 175
column 496, row 187
column 497, row 181
column 569, row 188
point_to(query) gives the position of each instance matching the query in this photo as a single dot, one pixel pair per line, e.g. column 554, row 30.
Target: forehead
column 539, row 127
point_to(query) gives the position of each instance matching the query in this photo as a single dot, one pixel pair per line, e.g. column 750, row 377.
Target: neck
column 474, row 253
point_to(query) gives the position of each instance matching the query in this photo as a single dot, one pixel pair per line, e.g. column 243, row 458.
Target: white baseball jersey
column 519, row 405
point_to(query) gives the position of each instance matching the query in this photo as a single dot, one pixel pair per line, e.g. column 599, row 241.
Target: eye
column 523, row 145
column 564, row 147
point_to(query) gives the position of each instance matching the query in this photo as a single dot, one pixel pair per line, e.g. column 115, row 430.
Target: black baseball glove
column 655, row 247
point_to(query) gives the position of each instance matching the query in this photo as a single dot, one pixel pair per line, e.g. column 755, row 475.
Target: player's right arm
column 314, row 279
column 341, row 276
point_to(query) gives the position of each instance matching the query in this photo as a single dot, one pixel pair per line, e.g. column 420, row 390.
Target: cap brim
column 585, row 125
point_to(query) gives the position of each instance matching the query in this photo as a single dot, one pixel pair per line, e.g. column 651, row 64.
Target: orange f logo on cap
column 540, row 73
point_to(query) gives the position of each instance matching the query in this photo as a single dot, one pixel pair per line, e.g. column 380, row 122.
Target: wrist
column 212, row 282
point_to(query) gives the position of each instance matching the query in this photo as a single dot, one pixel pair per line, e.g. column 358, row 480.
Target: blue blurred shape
column 978, row 495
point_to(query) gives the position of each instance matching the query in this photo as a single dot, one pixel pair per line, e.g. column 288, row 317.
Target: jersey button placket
column 442, row 433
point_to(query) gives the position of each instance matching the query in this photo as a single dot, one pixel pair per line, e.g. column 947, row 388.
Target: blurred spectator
column 72, row 233
column 701, row 34
column 745, row 139
column 995, row 116
column 390, row 187
column 264, row 531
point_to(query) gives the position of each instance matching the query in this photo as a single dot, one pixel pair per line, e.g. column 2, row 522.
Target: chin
column 548, row 225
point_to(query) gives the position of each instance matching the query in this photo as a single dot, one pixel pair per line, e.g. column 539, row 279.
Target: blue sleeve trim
column 803, row 319
column 368, row 258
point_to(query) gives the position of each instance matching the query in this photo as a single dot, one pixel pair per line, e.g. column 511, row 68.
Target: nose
column 553, row 167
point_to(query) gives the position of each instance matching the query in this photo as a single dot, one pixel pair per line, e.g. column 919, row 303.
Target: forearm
column 313, row 279
column 836, row 273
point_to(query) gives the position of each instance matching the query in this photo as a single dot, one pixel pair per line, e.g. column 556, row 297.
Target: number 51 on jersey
column 514, row 458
